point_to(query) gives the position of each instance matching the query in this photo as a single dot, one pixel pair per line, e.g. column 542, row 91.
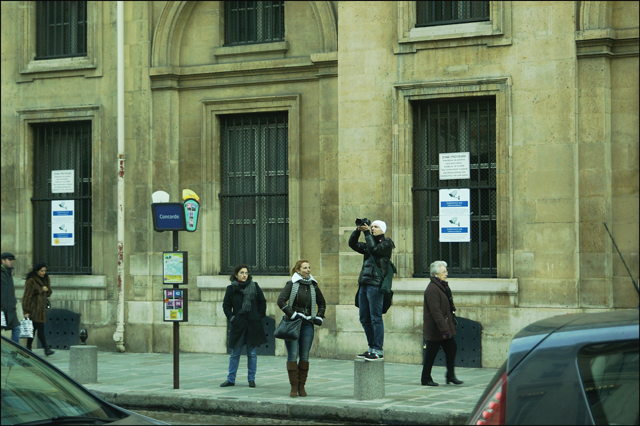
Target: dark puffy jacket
column 9, row 298
column 302, row 303
column 380, row 252
column 248, row 322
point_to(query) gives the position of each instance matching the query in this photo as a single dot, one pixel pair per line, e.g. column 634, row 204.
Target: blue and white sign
column 62, row 222
column 168, row 216
column 455, row 229
column 455, row 201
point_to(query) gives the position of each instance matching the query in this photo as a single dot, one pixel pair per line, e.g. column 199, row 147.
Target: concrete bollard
column 83, row 363
column 368, row 380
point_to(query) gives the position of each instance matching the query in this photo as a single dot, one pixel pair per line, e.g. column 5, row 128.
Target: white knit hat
column 381, row 224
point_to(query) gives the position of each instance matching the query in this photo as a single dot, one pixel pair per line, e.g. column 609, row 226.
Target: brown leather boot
column 292, row 369
column 303, row 371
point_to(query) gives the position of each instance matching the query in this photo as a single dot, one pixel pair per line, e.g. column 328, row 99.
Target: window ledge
column 73, row 281
column 220, row 282
column 441, row 32
column 230, row 52
column 461, row 285
column 61, row 64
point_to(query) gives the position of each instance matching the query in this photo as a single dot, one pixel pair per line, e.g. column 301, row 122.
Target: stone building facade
column 356, row 81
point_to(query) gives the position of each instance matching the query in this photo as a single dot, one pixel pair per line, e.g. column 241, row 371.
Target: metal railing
column 465, row 125
column 62, row 146
column 61, row 29
column 429, row 13
column 254, row 202
column 249, row 22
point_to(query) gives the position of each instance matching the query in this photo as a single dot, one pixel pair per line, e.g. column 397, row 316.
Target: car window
column 32, row 391
column 610, row 378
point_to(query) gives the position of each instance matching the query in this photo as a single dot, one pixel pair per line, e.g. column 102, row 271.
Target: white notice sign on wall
column 62, row 223
column 455, row 229
column 454, row 165
column 62, row 181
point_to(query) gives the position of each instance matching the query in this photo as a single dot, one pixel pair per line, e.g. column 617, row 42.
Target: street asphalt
column 145, row 381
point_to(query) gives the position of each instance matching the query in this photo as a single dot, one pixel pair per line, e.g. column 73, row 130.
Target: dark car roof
column 533, row 334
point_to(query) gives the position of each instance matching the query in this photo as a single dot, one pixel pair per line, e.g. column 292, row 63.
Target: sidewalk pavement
column 145, row 381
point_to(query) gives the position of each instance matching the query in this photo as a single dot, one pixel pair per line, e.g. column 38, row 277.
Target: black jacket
column 9, row 298
column 302, row 303
column 248, row 322
column 380, row 252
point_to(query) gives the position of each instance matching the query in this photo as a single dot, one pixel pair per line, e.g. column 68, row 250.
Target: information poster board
column 62, row 222
column 175, row 267
column 454, row 165
column 175, row 306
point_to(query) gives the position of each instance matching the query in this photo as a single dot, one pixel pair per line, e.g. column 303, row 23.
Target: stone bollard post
column 368, row 380
column 83, row 363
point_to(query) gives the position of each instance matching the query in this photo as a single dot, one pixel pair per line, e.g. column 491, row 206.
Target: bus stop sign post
column 173, row 217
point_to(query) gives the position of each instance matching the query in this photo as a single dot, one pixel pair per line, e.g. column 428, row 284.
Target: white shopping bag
column 4, row 321
column 26, row 328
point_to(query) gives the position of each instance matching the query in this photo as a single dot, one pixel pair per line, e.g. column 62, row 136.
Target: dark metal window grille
column 450, row 12
column 62, row 146
column 61, row 29
column 254, row 201
column 465, row 125
column 249, row 22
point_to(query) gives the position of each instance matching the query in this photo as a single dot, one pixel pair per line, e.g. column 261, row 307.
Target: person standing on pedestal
column 439, row 328
column 244, row 306
column 369, row 299
column 34, row 303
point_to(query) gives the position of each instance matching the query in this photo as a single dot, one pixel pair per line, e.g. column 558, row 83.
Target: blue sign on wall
column 168, row 217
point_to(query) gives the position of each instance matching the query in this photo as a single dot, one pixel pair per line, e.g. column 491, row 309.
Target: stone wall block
column 592, row 237
column 624, row 293
column 557, row 210
column 593, row 265
column 549, row 237
column 626, row 236
column 593, row 209
column 594, row 293
column 548, row 293
column 625, row 182
column 546, row 184
column 195, row 338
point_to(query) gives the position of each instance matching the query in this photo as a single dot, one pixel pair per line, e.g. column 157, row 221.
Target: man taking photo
column 369, row 298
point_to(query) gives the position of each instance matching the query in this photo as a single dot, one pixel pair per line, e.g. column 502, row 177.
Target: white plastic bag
column 26, row 328
column 4, row 321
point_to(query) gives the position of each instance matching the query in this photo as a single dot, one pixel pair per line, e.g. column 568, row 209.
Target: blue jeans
column 370, row 301
column 15, row 334
column 252, row 363
column 302, row 345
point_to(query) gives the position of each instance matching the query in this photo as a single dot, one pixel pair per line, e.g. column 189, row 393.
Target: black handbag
column 288, row 329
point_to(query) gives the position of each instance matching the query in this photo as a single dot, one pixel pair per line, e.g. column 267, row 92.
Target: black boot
column 454, row 380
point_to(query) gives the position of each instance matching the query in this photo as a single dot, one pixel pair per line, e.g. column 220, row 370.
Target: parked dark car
column 578, row 369
column 35, row 392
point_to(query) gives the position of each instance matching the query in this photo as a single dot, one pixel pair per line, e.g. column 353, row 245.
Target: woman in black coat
column 244, row 305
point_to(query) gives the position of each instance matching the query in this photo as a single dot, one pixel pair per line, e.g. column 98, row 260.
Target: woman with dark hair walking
column 301, row 297
column 34, row 303
column 244, row 305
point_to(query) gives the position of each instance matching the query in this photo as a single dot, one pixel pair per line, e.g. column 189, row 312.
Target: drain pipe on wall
column 118, row 336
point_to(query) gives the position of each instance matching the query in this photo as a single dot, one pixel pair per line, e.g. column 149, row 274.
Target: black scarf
column 447, row 292
column 248, row 290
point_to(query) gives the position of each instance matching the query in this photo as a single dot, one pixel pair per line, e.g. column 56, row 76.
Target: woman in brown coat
column 34, row 303
column 439, row 327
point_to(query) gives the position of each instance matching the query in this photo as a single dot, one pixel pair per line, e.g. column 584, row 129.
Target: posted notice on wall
column 454, row 165
column 62, row 223
column 455, row 229
column 454, row 201
column 62, row 181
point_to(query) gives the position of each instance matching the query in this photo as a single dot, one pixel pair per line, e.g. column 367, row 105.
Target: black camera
column 363, row 221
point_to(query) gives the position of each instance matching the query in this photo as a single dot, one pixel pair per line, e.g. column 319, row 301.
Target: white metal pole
column 118, row 336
